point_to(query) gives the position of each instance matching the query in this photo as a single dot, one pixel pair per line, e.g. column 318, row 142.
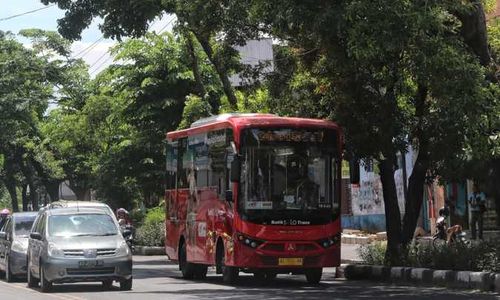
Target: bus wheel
column 188, row 269
column 229, row 274
column 313, row 276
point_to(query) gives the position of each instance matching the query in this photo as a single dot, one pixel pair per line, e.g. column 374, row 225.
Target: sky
column 96, row 56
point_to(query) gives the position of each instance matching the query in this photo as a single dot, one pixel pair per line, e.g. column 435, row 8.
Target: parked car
column 14, row 244
column 77, row 244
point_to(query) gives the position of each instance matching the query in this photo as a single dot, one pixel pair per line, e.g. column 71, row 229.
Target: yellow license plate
column 295, row 261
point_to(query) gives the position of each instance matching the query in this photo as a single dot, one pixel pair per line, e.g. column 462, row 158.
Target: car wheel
column 8, row 272
column 126, row 285
column 313, row 276
column 107, row 284
column 32, row 281
column 45, row 285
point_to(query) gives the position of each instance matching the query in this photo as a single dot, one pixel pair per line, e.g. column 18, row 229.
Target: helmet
column 5, row 212
column 444, row 212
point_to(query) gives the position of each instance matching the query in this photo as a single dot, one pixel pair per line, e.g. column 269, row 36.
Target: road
column 156, row 278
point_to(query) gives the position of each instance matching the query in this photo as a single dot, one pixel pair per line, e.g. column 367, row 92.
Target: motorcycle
column 128, row 234
column 445, row 235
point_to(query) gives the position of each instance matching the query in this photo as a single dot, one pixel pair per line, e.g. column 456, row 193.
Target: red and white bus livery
column 254, row 193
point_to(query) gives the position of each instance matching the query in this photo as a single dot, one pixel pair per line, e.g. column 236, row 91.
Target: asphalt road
column 155, row 278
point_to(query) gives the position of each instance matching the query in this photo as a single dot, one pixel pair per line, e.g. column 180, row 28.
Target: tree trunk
column 392, row 214
column 220, row 69
column 195, row 66
column 415, row 195
column 24, row 193
column 11, row 183
column 474, row 31
column 416, row 182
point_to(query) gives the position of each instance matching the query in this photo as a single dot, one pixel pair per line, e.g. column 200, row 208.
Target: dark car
column 14, row 244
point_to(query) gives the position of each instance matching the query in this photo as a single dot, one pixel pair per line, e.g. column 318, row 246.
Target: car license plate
column 290, row 261
column 90, row 263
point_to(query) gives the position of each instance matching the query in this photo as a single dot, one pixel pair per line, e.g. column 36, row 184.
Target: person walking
column 477, row 204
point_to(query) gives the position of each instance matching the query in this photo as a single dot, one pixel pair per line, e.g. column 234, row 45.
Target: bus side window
column 171, row 165
column 183, row 163
column 217, row 160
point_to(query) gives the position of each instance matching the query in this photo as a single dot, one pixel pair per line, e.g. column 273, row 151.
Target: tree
column 204, row 20
column 393, row 73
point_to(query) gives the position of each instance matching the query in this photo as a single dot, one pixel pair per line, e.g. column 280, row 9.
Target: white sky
column 46, row 19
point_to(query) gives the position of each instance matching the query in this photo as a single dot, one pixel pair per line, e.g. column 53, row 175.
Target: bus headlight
column 247, row 241
column 330, row 241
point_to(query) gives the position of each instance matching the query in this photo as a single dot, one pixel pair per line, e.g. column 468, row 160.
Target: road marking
column 24, row 288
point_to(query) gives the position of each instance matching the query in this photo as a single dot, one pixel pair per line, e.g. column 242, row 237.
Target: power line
column 88, row 48
column 25, row 13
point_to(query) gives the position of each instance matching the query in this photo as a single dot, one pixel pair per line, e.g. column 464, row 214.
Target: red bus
column 255, row 193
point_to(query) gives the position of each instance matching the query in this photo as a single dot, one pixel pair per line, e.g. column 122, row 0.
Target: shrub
column 482, row 256
column 373, row 254
column 151, row 234
column 155, row 215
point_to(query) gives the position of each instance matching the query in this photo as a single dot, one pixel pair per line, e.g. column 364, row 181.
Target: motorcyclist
column 4, row 214
column 125, row 223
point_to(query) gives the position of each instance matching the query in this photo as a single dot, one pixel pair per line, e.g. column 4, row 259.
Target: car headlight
column 53, row 251
column 330, row 241
column 123, row 249
column 18, row 246
column 250, row 242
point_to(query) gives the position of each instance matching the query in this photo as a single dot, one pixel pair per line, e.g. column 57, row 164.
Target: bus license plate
column 90, row 263
column 295, row 261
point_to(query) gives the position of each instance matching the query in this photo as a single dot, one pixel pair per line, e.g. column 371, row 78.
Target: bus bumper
column 249, row 258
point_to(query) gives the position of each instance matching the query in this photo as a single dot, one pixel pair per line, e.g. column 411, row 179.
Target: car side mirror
column 36, row 236
column 235, row 169
column 3, row 235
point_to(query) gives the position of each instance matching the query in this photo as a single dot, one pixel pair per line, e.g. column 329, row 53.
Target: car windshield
column 81, row 225
column 23, row 224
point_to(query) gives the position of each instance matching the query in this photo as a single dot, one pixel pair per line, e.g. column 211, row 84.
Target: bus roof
column 244, row 120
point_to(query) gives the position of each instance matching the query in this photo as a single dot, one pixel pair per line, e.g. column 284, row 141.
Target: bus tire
column 187, row 269
column 229, row 274
column 313, row 276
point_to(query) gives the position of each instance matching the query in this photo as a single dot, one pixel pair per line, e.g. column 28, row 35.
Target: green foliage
column 155, row 215
column 151, row 234
column 373, row 254
column 152, row 230
column 481, row 256
column 195, row 109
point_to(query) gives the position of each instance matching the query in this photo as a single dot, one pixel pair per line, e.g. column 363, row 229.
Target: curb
column 483, row 281
column 147, row 250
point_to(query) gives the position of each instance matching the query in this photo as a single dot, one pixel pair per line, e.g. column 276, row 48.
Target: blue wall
column 371, row 223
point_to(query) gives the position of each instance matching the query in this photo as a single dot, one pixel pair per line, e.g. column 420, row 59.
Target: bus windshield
column 288, row 176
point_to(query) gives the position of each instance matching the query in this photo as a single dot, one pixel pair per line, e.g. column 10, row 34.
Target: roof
column 75, row 203
column 75, row 210
column 243, row 120
column 25, row 213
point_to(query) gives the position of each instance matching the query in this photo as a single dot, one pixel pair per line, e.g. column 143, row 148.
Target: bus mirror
column 233, row 147
column 235, row 169
column 229, row 196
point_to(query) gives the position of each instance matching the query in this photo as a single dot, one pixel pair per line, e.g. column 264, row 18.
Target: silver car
column 76, row 245
column 14, row 244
